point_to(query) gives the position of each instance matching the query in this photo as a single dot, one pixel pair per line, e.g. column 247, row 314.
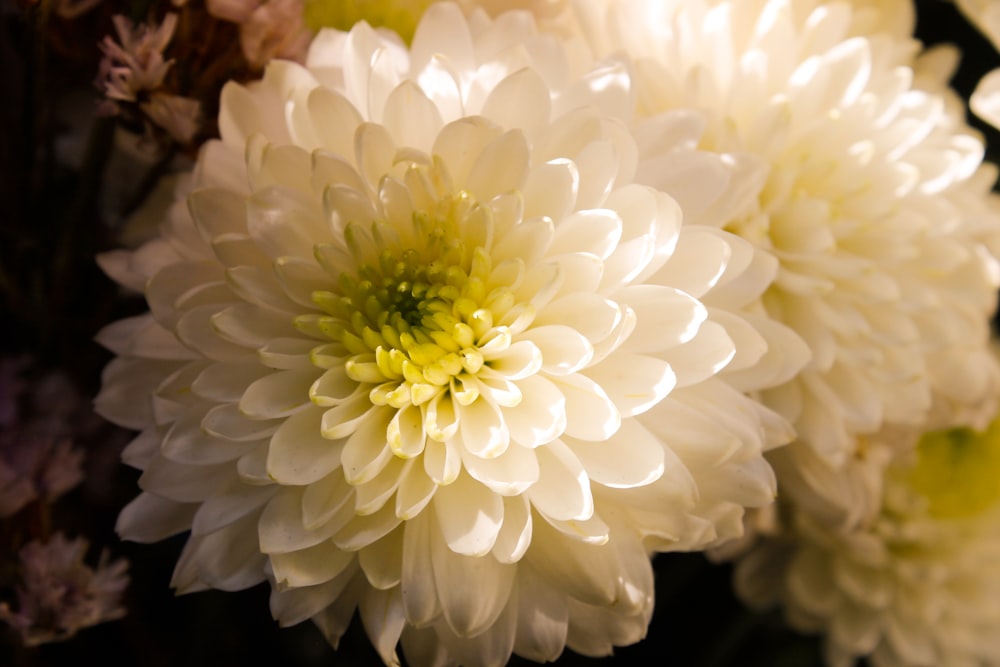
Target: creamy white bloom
column 419, row 346
column 874, row 204
column 917, row 583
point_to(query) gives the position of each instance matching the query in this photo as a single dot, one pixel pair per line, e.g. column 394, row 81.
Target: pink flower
column 60, row 595
column 137, row 63
column 268, row 29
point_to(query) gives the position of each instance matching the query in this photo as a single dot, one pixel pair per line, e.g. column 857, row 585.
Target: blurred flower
column 33, row 467
column 179, row 116
column 875, row 204
column 419, row 346
column 135, row 63
column 37, row 458
column 917, row 583
column 268, row 28
column 71, row 9
column 59, row 595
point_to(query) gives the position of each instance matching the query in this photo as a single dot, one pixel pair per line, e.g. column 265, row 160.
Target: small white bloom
column 917, row 582
column 419, row 346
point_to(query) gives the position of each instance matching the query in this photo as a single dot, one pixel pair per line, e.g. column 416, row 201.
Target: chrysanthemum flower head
column 418, row 346
column 874, row 204
column 917, row 582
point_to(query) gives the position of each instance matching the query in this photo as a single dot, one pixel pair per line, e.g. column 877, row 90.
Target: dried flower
column 60, row 595
column 136, row 64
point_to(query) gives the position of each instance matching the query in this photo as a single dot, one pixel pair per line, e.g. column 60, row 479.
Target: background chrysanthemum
column 419, row 347
column 916, row 583
column 874, row 204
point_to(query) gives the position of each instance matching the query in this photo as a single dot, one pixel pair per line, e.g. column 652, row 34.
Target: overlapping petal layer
column 874, row 204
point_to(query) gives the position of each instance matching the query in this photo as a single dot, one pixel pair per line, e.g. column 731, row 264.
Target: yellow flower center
column 958, row 471
column 398, row 15
column 416, row 321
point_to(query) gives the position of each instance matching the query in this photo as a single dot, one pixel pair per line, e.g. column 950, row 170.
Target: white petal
column 384, row 619
column 415, row 490
column 703, row 356
column 371, row 496
column 412, row 118
column 460, row 142
column 226, row 421
column 564, row 350
column 184, row 483
column 590, row 414
column 578, row 570
column 509, row 474
column 595, row 231
column 310, row 566
column 227, row 559
column 337, row 120
column 325, row 499
column 483, row 429
column 443, row 460
column 228, row 506
column 472, row 591
column 551, row 190
column 367, row 449
column 362, row 531
column 514, row 537
column 295, row 605
column 405, row 432
column 665, row 317
column 281, row 530
column 226, row 383
column 501, row 167
column 542, row 617
column 277, row 394
column 518, row 361
column 632, row 457
column 563, row 488
column 149, row 518
column 420, row 592
column 633, row 382
column 382, row 561
column 540, row 417
column 298, row 454
column 470, row 516
column 520, row 100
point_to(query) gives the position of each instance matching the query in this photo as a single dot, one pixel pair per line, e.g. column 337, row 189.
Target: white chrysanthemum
column 873, row 204
column 419, row 347
column 917, row 584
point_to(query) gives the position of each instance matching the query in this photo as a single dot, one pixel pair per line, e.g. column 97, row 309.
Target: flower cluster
column 471, row 308
column 133, row 70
